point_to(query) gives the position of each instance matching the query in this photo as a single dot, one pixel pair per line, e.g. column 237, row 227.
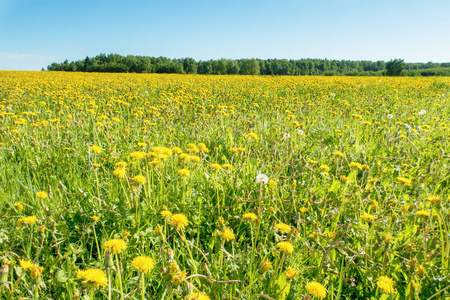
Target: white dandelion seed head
column 390, row 116
column 422, row 112
column 300, row 132
column 261, row 178
column 333, row 95
column 286, row 135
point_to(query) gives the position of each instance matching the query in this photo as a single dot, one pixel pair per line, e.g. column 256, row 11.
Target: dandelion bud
column 420, row 270
column 307, row 297
column 164, row 271
column 265, row 266
column 169, row 253
column 108, row 260
column 189, row 286
column 205, row 267
column 4, row 271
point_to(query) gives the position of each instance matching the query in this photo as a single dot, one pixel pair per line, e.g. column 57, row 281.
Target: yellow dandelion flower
column 41, row 195
column 216, row 167
column 434, row 199
column 265, row 266
column 139, row 179
column 178, row 277
column 165, row 213
column 355, row 165
column 36, row 271
column 26, row 264
column 272, row 183
column 179, row 220
column 250, row 216
column 227, row 235
column 93, row 277
column 197, row 296
column 386, row 285
column 404, row 180
column 95, row 219
column 368, row 217
column 285, row 247
column 290, row 273
column 143, row 264
column 227, row 166
column 338, row 153
column 303, row 210
column 316, row 290
column 324, row 168
column 96, row 149
column 423, row 213
column 119, row 172
column 183, row 172
column 18, row 206
column 283, row 227
column 116, row 246
column 138, row 155
column 27, row 220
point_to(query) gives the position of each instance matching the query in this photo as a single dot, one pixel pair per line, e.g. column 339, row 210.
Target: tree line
column 147, row 64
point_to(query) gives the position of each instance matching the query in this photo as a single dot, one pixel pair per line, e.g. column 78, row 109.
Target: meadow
column 153, row 186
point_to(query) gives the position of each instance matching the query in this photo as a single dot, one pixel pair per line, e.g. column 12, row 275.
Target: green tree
column 395, row 67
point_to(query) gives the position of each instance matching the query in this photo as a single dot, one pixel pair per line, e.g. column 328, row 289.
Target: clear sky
column 34, row 34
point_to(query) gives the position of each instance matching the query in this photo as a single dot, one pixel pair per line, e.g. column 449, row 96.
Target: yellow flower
column 227, row 234
column 178, row 277
column 27, row 220
column 290, row 273
column 283, row 227
column 93, row 277
column 158, row 230
column 303, row 210
column 119, row 172
column 139, row 179
column 265, row 266
column 250, row 216
column 368, row 217
column 316, row 290
column 183, row 172
column 96, row 149
column 285, row 247
column 423, row 213
column 26, row 264
column 18, row 206
column 197, row 296
column 95, row 219
column 216, row 167
column 165, row 213
column 227, row 166
column 386, row 285
column 142, row 144
column 355, row 165
column 434, row 199
column 36, row 271
column 252, row 135
column 324, row 168
column 338, row 153
column 143, row 264
column 272, row 183
column 116, row 246
column 179, row 220
column 41, row 195
column 138, row 155
column 404, row 180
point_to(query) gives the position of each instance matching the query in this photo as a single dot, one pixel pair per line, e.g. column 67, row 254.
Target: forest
column 115, row 63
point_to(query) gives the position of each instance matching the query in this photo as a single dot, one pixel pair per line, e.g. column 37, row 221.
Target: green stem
column 119, row 274
column 143, row 286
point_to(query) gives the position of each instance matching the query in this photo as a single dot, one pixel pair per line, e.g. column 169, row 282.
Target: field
column 190, row 187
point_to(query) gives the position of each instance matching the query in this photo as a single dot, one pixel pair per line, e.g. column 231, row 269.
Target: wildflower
column 316, row 290
column 176, row 150
column 227, row 166
column 116, row 246
column 197, row 296
column 142, row 144
column 250, row 216
column 301, row 133
column 290, row 273
column 96, row 149
column 285, row 247
column 227, row 235
column 165, row 213
column 283, row 227
column 179, row 220
column 422, row 112
column 311, row 161
column 139, row 179
column 404, row 180
column 194, row 158
column 26, row 264
column 143, row 264
column 119, row 172
column 158, row 230
column 345, row 179
column 423, row 213
column 27, row 220
column 252, row 135
column 331, row 235
column 432, row 199
column 95, row 165
column 374, row 180
column 355, row 165
column 18, row 206
column 286, row 135
column 95, row 219
column 303, row 210
column 261, row 178
column 324, row 168
column 178, row 277
column 389, row 116
column 120, row 164
column 216, row 167
column 265, row 266
column 138, row 155
column 421, row 270
column 368, row 217
column 41, row 195
column 386, row 284
column 272, row 183
column 338, row 153
column 183, row 172
column 36, row 272
column 93, row 277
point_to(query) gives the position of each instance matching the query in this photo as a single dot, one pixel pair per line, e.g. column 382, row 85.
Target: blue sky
column 34, row 34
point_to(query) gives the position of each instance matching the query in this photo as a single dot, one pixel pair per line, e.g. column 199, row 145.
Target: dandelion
column 178, row 277
column 18, row 206
column 95, row 219
column 138, row 155
column 116, row 246
column 285, row 247
column 26, row 264
column 404, row 180
column 250, row 216
column 93, row 277
column 27, row 220
column 422, row 112
column 179, row 220
column 139, row 179
column 165, row 213
column 119, row 172
column 252, row 135
column 303, row 210
column 301, row 133
column 355, row 165
column 432, row 199
column 338, row 153
column 386, row 285
column 41, row 195
column 272, row 183
column 183, row 172
column 216, row 167
column 390, row 116
column 286, row 135
column 290, row 273
column 325, row 168
column 368, row 217
column 283, row 227
column 261, row 178
column 316, row 290
column 96, row 149
column 227, row 235
column 227, row 166
column 265, row 266
column 423, row 213
column 197, row 296
column 143, row 264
